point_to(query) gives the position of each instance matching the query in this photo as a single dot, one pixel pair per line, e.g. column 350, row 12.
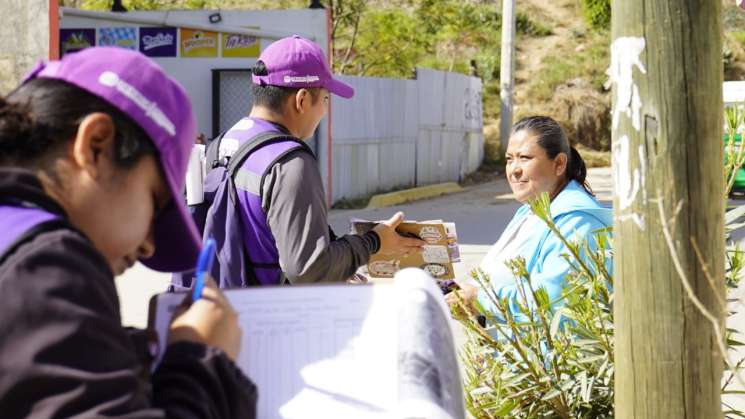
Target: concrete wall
column 195, row 74
column 24, row 39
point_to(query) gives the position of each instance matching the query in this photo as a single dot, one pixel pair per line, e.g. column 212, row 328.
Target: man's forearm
column 337, row 262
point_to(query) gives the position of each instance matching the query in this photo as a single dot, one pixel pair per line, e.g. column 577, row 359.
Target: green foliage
column 554, row 361
column 558, row 68
column 739, row 36
column 597, row 13
column 395, row 38
column 393, row 41
column 526, row 26
column 734, row 219
column 557, row 359
column 187, row 4
column 734, row 150
column 389, row 42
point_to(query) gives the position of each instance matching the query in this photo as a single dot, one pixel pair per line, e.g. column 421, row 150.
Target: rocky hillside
column 561, row 61
column 563, row 74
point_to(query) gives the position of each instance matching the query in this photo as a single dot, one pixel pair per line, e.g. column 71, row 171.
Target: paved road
column 479, row 217
column 480, row 212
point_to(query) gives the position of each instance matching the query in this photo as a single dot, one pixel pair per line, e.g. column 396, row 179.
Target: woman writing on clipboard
column 93, row 152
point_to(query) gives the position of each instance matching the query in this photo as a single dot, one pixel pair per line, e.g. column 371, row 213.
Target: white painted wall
column 392, row 134
column 733, row 92
column 195, row 74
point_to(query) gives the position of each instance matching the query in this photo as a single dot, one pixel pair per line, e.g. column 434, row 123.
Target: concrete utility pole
column 507, row 71
column 26, row 36
column 666, row 70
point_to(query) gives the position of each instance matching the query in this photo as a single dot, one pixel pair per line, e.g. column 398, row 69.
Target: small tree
column 557, row 360
column 597, row 13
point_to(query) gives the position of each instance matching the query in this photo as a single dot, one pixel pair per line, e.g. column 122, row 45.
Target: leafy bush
column 559, row 68
column 734, row 151
column 597, row 13
column 558, row 359
column 524, row 25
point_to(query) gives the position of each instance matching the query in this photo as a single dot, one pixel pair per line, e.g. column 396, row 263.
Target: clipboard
column 343, row 351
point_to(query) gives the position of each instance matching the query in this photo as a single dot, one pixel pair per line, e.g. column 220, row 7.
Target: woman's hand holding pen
column 210, row 320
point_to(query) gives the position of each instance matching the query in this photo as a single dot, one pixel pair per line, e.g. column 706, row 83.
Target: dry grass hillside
column 561, row 61
column 563, row 75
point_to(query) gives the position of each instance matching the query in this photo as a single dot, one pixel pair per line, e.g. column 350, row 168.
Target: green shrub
column 597, row 13
column 556, row 69
column 525, row 25
column 558, row 361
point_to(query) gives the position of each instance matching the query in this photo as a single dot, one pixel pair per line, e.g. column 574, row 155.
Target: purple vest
column 257, row 236
column 17, row 220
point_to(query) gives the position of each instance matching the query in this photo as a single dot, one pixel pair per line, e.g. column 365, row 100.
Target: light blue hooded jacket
column 577, row 215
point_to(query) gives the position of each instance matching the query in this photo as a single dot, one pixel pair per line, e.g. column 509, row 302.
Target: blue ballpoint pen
column 204, row 266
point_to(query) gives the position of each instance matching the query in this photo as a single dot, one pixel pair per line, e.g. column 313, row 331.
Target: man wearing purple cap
column 93, row 153
column 283, row 209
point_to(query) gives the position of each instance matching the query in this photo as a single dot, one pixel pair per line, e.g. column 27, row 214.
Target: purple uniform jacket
column 283, row 215
column 63, row 351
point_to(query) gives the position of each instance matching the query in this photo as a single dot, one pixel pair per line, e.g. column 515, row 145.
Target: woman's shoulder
column 574, row 202
column 65, row 259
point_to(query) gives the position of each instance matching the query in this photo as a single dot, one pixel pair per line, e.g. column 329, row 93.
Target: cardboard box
column 436, row 258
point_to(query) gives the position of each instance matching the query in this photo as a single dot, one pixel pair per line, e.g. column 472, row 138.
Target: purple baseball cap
column 140, row 89
column 298, row 62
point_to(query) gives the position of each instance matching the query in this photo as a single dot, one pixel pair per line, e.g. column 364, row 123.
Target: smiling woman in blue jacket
column 540, row 159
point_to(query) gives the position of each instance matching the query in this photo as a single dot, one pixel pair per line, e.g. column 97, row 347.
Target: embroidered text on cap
column 151, row 109
column 303, row 79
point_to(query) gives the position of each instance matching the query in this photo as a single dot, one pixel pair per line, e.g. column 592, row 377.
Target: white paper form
column 316, row 351
column 310, row 340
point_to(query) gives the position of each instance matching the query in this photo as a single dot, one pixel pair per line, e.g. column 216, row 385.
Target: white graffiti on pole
column 628, row 180
column 625, row 55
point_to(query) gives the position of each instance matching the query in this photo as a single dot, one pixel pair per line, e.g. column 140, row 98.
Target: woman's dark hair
column 553, row 139
column 273, row 97
column 41, row 115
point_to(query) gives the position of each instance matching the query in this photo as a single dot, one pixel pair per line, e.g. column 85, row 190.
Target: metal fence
column 403, row 133
column 392, row 134
column 231, row 100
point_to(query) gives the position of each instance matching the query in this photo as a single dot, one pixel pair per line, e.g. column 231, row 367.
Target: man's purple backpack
column 218, row 216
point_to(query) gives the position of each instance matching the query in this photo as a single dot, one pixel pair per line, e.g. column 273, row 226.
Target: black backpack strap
column 212, row 153
column 46, row 226
column 240, row 156
column 281, row 156
column 237, row 159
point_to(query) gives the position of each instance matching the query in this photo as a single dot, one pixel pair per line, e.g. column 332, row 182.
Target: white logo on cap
column 151, row 109
column 303, row 79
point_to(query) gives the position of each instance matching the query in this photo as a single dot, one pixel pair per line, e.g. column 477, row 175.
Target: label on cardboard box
column 437, row 256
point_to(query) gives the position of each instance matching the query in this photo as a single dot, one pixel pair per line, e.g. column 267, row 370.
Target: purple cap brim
column 177, row 242
column 139, row 88
column 340, row 88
